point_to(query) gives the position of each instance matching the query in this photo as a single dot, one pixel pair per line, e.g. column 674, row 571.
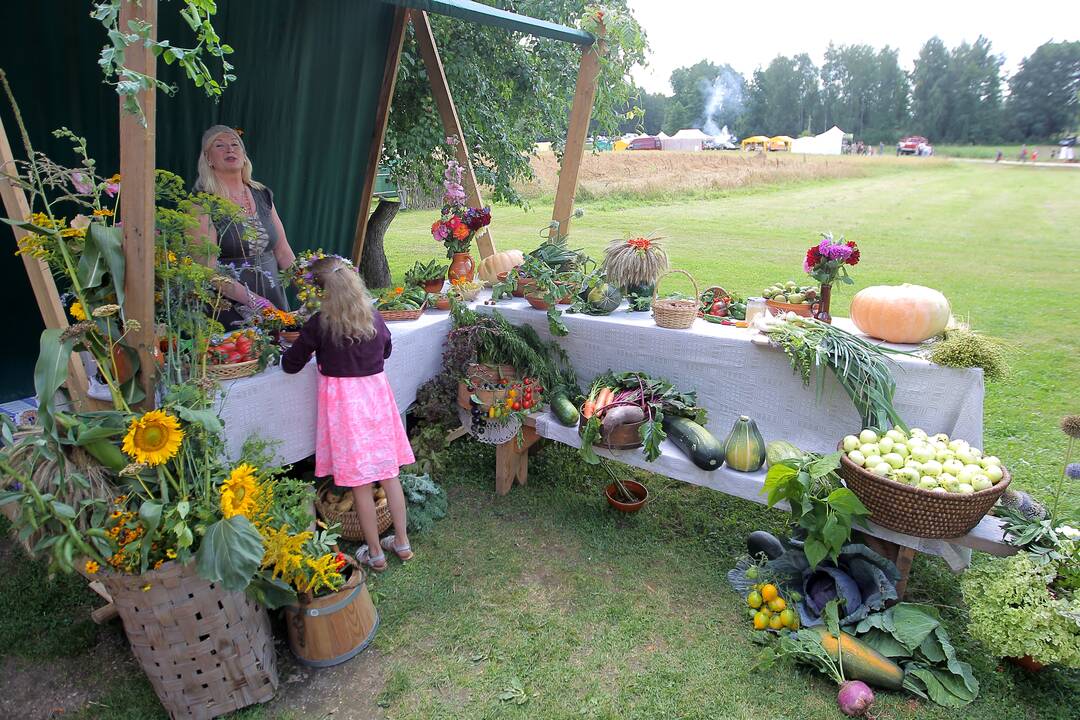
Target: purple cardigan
column 350, row 359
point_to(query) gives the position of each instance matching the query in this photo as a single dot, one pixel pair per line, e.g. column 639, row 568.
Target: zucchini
column 564, row 410
column 700, row 446
column 862, row 662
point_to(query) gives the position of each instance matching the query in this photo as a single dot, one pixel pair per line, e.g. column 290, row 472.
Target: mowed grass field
column 546, row 604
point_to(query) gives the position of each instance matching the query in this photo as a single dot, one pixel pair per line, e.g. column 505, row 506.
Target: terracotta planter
column 820, row 308
column 442, row 302
column 523, row 284
column 1027, row 662
column 537, row 302
column 461, row 266
column 636, row 489
column 433, row 286
column 288, row 337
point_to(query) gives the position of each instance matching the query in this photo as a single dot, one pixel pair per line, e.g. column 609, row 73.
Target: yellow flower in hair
column 153, row 438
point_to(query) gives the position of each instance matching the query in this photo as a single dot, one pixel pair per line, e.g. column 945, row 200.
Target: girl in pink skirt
column 359, row 436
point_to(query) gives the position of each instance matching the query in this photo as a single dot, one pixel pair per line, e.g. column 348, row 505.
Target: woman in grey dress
column 256, row 248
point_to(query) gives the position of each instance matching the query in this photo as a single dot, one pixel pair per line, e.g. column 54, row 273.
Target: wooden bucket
column 332, row 629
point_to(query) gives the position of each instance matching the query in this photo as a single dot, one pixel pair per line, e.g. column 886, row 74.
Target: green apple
column 991, row 460
column 857, row 457
column 942, row 455
column 965, row 475
column 931, row 468
column 885, row 445
column 939, row 490
column 894, row 460
column 872, row 461
column 918, row 433
column 883, row 469
column 975, row 452
column 901, row 450
column 953, row 466
column 851, row 443
column 966, row 457
column 869, row 449
column 942, row 437
column 922, row 453
column 868, row 436
column 896, row 436
column 975, row 468
column 955, row 445
column 965, row 489
column 994, row 472
column 981, row 482
column 912, row 463
column 907, row 475
column 947, row 480
column 928, row 483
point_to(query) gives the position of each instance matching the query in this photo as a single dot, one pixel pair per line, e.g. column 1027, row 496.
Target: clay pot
column 1028, row 663
column 537, row 302
column 433, row 286
column 636, row 489
column 461, row 266
column 442, row 302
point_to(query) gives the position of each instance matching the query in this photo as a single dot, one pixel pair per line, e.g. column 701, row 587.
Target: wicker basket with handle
column 350, row 519
column 232, row 371
column 394, row 315
column 915, row 511
column 672, row 313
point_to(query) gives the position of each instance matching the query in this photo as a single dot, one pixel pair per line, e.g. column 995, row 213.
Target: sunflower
column 240, row 492
column 153, row 438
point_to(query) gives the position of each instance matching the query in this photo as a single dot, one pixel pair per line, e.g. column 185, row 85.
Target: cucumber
column 564, row 410
column 700, row 446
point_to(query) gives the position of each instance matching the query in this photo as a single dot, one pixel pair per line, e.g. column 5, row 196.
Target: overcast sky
column 748, row 35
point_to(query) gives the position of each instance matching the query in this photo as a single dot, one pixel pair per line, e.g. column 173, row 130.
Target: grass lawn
column 594, row 615
column 989, row 152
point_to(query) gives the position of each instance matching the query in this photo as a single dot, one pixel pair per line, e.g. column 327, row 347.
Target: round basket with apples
column 234, row 355
column 924, row 485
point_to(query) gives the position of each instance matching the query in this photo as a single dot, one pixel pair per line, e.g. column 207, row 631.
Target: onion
column 855, row 698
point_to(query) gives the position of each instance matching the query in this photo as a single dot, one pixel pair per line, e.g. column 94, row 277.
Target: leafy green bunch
column 420, row 272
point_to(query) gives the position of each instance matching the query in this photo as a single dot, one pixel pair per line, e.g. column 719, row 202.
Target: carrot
column 587, row 409
column 604, row 398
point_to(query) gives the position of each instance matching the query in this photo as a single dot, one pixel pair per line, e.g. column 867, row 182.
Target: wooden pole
column 382, row 116
column 444, row 101
column 137, row 158
column 41, row 280
column 576, row 132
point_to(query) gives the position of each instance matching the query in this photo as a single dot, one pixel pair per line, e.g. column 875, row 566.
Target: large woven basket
column 393, row 315
column 675, row 314
column 477, row 375
column 350, row 519
column 232, row 371
column 919, row 512
column 207, row 652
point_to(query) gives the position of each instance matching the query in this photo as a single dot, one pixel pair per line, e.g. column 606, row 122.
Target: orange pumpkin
column 900, row 313
column 504, row 261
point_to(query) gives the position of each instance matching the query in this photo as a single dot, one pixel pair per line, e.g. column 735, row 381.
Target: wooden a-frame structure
column 138, row 157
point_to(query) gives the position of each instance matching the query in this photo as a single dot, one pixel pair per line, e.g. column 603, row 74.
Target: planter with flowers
column 827, row 262
column 634, row 265
column 283, row 325
column 458, row 224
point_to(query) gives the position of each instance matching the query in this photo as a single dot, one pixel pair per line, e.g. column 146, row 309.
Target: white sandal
column 375, row 562
column 404, row 552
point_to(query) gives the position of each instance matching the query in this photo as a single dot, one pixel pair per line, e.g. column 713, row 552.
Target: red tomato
column 235, row 357
column 516, row 406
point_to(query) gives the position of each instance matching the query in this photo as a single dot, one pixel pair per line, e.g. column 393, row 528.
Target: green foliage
column 820, row 504
column 230, row 552
column 426, row 501
column 965, row 348
column 1013, row 612
column 421, row 272
column 1043, row 92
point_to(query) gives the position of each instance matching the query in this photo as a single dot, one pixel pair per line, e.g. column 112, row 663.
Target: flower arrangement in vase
column 458, row 224
column 827, row 262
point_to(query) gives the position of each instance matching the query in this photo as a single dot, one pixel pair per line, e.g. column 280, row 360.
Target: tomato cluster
column 236, row 347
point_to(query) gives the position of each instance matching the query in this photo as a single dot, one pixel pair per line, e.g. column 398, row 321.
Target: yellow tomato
column 789, row 618
column 769, row 592
column 754, row 599
column 775, row 622
column 777, row 604
column 761, row 621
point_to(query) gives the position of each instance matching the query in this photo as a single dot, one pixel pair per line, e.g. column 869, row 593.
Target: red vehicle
column 912, row 145
column 648, row 142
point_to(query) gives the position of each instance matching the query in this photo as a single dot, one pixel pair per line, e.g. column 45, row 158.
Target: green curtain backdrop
column 308, row 81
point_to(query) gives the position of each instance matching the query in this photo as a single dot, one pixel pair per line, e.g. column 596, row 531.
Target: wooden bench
column 512, row 465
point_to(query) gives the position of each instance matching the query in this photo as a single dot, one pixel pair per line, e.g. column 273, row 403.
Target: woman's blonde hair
column 346, row 308
column 207, row 181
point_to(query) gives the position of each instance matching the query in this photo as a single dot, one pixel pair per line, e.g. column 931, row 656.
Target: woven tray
column 801, row 309
column 675, row 314
column 350, row 520
column 232, row 371
column 206, row 652
column 919, row 512
column 396, row 315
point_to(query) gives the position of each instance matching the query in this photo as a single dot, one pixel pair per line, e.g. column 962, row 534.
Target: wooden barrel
column 329, row 630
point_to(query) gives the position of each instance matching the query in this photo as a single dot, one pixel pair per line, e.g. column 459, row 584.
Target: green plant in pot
column 543, row 290
column 427, row 275
column 634, row 265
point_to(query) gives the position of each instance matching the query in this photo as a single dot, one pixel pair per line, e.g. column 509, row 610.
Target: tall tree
column 782, row 98
column 930, row 93
column 865, row 92
column 975, row 92
column 1044, row 94
column 655, row 106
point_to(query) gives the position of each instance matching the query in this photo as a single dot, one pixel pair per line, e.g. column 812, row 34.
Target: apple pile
column 930, row 462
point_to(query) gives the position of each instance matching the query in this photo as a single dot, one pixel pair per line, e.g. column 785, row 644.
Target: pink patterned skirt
column 359, row 438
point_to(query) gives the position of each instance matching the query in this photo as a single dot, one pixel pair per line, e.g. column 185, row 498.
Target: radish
column 855, row 698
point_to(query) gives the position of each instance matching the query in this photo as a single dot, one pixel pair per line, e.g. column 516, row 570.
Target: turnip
column 855, row 698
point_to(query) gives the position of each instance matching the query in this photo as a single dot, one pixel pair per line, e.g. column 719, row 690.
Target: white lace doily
column 496, row 432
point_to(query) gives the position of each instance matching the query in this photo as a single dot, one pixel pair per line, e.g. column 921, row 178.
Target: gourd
column 779, row 450
column 744, row 449
column 603, row 299
column 900, row 313
column 861, row 662
column 700, row 446
column 504, row 261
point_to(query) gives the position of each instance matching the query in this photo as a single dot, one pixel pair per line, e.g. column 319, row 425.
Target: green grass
column 989, row 152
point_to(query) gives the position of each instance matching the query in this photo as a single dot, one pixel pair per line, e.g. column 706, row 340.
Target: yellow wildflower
column 171, row 554
column 92, row 567
column 44, row 221
column 114, row 179
column 103, row 213
column 77, row 311
column 324, row 573
column 153, row 438
column 158, row 564
column 32, row 245
column 146, row 587
column 73, row 232
column 284, row 551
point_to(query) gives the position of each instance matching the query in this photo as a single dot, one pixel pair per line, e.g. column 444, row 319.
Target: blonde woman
column 359, row 436
column 225, row 171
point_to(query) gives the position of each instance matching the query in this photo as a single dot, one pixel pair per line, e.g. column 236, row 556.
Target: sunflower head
column 153, row 438
column 240, row 493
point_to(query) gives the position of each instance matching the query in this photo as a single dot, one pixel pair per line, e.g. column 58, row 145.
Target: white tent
column 827, row 143
column 685, row 139
column 663, row 135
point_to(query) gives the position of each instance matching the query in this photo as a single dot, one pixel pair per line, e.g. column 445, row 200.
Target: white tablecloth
column 280, row 408
column 734, row 377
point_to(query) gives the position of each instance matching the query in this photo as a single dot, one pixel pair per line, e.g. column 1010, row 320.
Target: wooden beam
column 137, row 159
column 41, row 280
column 444, row 101
column 576, row 132
column 382, row 116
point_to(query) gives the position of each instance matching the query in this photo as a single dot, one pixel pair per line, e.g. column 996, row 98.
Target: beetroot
column 855, row 698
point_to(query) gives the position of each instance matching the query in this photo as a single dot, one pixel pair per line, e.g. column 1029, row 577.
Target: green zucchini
column 564, row 410
column 700, row 446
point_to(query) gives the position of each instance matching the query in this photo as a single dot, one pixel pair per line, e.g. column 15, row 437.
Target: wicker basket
column 801, row 309
column 395, row 315
column 477, row 375
column 919, row 512
column 350, row 519
column 675, row 314
column 232, row 371
column 207, row 652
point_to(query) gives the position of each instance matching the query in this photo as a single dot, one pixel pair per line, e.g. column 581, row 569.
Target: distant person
column 881, row 148
column 1023, row 154
column 999, row 156
column 1035, row 155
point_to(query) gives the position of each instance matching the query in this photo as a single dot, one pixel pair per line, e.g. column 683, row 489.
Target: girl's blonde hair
column 346, row 308
column 207, row 181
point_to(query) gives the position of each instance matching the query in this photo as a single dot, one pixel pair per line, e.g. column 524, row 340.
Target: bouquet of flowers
column 458, row 224
column 300, row 276
column 827, row 261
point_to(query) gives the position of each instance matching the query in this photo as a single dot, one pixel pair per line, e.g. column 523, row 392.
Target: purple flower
column 834, row 251
column 82, row 184
column 112, row 188
column 1072, row 471
column 455, row 193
